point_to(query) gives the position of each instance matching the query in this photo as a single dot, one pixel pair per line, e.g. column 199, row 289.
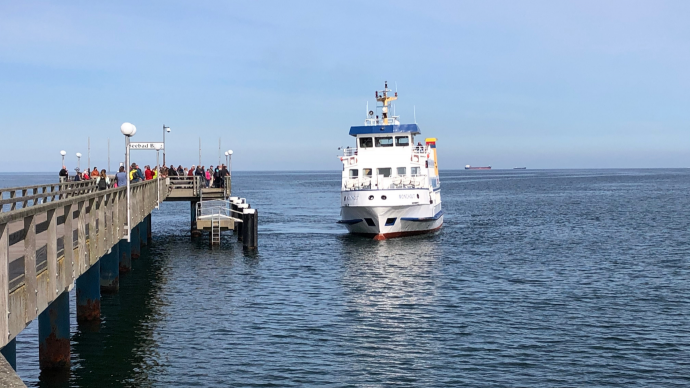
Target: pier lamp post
column 158, row 175
column 230, row 162
column 79, row 161
column 226, row 157
column 63, row 153
column 165, row 129
column 128, row 130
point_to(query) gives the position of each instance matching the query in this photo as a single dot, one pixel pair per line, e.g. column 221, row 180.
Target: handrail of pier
column 37, row 194
column 44, row 248
column 185, row 183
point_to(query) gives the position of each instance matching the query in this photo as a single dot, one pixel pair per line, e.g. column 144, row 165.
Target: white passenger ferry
column 390, row 186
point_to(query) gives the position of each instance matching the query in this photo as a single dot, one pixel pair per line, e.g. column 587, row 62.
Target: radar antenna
column 384, row 98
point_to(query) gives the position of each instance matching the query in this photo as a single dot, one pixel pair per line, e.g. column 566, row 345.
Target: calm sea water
column 537, row 279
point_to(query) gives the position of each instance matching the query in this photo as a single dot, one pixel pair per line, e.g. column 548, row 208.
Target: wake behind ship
column 390, row 187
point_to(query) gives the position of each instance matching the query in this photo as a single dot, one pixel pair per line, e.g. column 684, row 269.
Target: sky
column 540, row 84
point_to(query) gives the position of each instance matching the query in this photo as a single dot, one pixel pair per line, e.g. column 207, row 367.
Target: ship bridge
column 384, row 129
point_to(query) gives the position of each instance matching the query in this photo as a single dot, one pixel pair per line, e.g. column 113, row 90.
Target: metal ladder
column 215, row 230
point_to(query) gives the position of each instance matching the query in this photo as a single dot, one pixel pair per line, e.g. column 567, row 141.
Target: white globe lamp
column 128, row 129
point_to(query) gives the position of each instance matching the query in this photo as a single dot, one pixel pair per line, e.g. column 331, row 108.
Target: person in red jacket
column 148, row 173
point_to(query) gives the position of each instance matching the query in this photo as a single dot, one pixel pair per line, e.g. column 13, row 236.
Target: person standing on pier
column 209, row 176
column 148, row 174
column 64, row 175
column 216, row 177
column 135, row 174
column 77, row 175
column 94, row 173
column 121, row 177
column 102, row 181
column 223, row 173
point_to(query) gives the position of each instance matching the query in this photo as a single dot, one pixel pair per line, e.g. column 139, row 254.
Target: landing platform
column 226, row 223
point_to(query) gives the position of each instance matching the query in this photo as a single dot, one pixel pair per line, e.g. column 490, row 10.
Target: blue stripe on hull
column 436, row 217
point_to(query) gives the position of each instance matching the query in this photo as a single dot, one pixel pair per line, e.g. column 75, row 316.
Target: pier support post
column 233, row 208
column 53, row 334
column 149, row 235
column 110, row 270
column 125, row 249
column 195, row 231
column 250, row 218
column 240, row 226
column 144, row 232
column 135, row 243
column 10, row 353
column 89, row 295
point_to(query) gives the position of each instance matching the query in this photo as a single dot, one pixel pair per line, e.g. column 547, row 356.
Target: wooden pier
column 54, row 237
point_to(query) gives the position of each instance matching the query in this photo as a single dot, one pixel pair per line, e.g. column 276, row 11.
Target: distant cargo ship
column 468, row 167
column 519, row 168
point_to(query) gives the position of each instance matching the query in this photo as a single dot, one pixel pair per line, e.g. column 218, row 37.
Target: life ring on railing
column 414, row 157
column 352, row 160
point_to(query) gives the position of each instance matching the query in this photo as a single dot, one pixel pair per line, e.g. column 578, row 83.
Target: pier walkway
column 55, row 237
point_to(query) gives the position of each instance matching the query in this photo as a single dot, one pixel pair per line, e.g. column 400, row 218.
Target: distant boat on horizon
column 519, row 168
column 468, row 167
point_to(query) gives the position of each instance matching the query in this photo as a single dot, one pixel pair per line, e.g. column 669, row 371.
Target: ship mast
column 384, row 98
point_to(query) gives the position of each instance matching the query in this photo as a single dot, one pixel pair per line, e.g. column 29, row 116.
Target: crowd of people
column 212, row 177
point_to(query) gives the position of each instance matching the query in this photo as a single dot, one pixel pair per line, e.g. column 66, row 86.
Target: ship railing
column 419, row 150
column 386, row 183
column 349, row 151
column 393, row 120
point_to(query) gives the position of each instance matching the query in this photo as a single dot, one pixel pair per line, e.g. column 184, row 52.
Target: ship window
column 386, row 172
column 390, row 221
column 414, row 171
column 365, row 142
column 384, row 141
column 370, row 222
column 402, row 171
column 354, row 173
column 366, row 172
column 402, row 141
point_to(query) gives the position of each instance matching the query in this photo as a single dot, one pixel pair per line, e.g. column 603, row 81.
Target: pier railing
column 189, row 186
column 20, row 197
column 54, row 237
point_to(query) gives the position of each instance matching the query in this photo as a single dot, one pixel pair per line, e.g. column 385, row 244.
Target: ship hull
column 397, row 220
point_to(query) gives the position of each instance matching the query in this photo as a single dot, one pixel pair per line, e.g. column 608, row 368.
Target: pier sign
column 145, row 146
